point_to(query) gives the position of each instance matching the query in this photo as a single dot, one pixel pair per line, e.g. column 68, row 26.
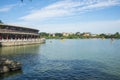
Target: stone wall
column 21, row 42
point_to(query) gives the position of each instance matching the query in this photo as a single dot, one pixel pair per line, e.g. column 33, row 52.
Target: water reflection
column 10, row 74
column 19, row 49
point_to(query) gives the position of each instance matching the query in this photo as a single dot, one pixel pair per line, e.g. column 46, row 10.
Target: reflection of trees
column 6, row 75
column 19, row 49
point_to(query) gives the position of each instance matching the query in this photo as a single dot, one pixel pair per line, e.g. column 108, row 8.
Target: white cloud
column 7, row 8
column 93, row 26
column 68, row 7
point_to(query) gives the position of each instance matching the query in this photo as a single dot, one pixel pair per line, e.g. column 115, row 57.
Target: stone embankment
column 21, row 42
column 7, row 65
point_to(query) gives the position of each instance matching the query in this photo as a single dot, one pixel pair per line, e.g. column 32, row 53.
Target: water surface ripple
column 71, row 59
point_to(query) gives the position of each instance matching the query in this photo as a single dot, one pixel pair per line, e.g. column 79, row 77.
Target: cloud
column 64, row 8
column 7, row 8
column 93, row 26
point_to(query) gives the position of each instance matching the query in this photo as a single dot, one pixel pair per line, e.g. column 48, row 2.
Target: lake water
column 69, row 59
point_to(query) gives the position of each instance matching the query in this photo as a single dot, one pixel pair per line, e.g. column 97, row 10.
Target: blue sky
column 95, row 16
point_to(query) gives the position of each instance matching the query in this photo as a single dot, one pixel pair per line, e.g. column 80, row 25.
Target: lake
column 69, row 59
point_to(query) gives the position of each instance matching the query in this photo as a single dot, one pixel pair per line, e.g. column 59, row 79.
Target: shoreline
column 20, row 42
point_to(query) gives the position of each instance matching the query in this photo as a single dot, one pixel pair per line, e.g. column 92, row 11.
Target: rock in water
column 7, row 65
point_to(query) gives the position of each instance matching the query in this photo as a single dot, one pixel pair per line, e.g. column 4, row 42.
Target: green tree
column 117, row 35
column 77, row 33
column 58, row 34
column 102, row 35
column 43, row 34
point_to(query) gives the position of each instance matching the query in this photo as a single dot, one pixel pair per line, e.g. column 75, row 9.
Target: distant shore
column 79, row 35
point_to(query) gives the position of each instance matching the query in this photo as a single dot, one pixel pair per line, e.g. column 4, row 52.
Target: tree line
column 78, row 35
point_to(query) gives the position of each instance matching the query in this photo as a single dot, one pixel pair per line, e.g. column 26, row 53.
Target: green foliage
column 58, row 34
column 78, row 35
column 116, row 35
column 43, row 34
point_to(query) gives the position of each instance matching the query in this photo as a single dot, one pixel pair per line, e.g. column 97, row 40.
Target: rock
column 7, row 65
column 6, row 69
column 8, row 61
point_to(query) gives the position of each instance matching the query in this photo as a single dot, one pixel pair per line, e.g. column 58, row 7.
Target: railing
column 14, row 42
column 9, row 40
column 15, row 32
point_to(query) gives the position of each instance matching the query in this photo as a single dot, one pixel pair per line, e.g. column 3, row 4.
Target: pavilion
column 23, row 35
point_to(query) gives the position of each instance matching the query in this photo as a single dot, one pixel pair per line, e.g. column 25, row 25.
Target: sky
column 95, row 16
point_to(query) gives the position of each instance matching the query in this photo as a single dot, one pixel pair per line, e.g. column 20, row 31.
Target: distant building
column 65, row 34
column 52, row 34
column 71, row 33
column 77, row 33
column 86, row 34
column 94, row 35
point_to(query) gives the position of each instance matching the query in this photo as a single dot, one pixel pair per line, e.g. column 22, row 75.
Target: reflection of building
column 16, row 35
column 20, row 49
